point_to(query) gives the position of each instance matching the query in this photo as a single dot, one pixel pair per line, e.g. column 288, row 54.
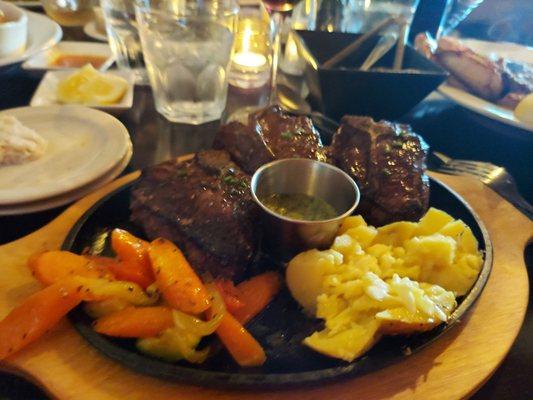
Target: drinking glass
column 456, row 11
column 278, row 10
column 123, row 36
column 358, row 16
column 69, row 12
column 187, row 47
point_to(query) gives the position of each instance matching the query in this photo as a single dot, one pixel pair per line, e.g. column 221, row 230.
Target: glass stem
column 277, row 20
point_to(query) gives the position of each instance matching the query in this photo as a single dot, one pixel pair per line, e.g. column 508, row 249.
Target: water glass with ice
column 121, row 27
column 187, row 47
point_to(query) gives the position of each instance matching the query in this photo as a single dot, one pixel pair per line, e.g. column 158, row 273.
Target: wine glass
column 70, row 12
column 456, row 11
column 278, row 10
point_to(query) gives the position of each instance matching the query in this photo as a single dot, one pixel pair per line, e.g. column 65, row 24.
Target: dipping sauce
column 77, row 60
column 299, row 206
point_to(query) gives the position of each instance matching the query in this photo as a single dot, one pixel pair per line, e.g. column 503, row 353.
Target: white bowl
column 14, row 33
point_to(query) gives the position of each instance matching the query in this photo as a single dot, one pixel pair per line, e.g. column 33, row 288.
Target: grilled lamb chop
column 481, row 75
column 388, row 162
column 204, row 206
column 500, row 81
column 268, row 135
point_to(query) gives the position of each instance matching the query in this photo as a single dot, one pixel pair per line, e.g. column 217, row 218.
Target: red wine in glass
column 279, row 5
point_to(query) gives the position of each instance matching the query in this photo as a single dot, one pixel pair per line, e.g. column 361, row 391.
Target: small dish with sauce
column 71, row 55
column 303, row 203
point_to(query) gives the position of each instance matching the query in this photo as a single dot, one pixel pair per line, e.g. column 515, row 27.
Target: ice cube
column 178, row 83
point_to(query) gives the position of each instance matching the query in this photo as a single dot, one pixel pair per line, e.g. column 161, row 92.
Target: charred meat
column 388, row 162
column 499, row 81
column 482, row 76
column 270, row 134
column 204, row 206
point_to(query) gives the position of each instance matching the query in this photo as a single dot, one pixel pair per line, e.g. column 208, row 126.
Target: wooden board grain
column 452, row 368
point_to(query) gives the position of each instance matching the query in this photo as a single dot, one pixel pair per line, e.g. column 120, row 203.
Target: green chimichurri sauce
column 299, row 206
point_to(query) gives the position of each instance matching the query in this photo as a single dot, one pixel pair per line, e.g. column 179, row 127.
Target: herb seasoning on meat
column 299, row 206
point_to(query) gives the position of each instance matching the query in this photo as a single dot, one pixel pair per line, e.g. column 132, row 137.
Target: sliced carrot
column 178, row 282
column 125, row 270
column 255, row 294
column 135, row 322
column 51, row 266
column 37, row 314
column 242, row 346
column 133, row 250
column 230, row 295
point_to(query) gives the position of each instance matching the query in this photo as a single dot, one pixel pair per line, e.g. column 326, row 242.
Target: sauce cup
column 283, row 236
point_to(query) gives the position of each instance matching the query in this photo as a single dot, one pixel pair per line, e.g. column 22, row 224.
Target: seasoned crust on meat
column 388, row 162
column 270, row 134
column 204, row 206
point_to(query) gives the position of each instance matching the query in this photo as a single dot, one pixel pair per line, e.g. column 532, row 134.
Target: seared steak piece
column 268, row 135
column 388, row 162
column 204, row 206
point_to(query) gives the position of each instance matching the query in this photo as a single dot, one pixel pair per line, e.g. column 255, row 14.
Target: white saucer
column 83, row 145
column 57, row 201
column 90, row 30
column 41, row 61
column 45, row 95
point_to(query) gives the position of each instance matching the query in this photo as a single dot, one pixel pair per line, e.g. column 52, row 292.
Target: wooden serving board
column 453, row 367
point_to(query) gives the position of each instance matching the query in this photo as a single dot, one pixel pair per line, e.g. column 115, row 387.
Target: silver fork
column 495, row 177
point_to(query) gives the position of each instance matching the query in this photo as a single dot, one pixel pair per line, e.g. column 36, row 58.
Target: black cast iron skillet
column 280, row 328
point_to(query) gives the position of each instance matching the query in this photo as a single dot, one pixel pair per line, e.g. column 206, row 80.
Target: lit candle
column 250, row 63
column 247, row 58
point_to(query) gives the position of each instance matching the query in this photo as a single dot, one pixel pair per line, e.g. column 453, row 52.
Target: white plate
column 57, row 201
column 43, row 33
column 493, row 50
column 46, row 93
column 483, row 107
column 41, row 60
column 83, row 145
column 90, row 30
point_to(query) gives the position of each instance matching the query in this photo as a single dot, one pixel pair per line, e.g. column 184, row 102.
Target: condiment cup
column 283, row 236
column 14, row 32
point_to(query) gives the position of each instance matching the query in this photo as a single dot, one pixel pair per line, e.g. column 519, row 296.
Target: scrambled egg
column 397, row 279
